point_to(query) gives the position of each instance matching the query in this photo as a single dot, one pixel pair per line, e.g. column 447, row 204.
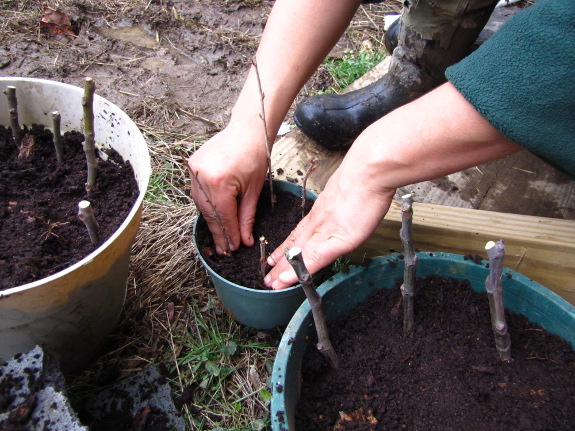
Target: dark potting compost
column 243, row 266
column 445, row 376
column 40, row 233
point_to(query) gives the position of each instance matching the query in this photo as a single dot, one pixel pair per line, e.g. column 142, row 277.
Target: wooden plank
column 537, row 247
column 520, row 199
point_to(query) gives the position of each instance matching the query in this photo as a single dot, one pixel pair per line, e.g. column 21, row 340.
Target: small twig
column 494, row 288
column 268, row 143
column 410, row 263
column 89, row 142
column 194, row 175
column 295, row 258
column 13, row 109
column 263, row 263
column 57, row 136
column 312, row 168
column 86, row 214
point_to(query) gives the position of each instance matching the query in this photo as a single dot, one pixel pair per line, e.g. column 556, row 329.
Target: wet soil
column 447, row 375
column 40, row 233
column 243, row 266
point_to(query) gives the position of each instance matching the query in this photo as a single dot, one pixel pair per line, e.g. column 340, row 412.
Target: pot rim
column 310, row 193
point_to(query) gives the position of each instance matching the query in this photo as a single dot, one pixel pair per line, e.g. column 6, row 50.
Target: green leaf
column 212, row 368
column 265, row 395
column 230, row 348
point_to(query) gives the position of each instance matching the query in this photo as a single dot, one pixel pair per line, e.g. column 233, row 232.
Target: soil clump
column 446, row 375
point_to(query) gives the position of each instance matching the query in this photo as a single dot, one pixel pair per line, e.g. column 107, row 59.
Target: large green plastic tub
column 260, row 309
column 343, row 291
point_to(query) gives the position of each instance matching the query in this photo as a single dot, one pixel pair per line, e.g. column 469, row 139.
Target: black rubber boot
column 391, row 35
column 417, row 66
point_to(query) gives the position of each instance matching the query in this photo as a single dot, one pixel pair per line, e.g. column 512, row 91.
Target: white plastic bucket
column 71, row 313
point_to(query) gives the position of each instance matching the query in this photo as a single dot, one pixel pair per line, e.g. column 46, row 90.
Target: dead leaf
column 57, row 22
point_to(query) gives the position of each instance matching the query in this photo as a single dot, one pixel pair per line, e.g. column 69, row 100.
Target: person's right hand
column 231, row 167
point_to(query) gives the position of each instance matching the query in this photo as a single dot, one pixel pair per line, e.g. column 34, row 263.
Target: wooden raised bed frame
column 539, row 246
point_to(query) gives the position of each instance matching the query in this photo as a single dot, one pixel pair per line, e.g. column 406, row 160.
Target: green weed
column 352, row 66
column 341, row 265
column 212, row 357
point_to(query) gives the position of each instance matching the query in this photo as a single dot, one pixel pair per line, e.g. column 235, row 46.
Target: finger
column 223, row 225
column 247, row 217
column 283, row 268
column 219, row 215
column 316, row 255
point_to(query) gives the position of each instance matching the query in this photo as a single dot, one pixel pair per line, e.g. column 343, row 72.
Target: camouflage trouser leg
column 433, row 35
column 444, row 20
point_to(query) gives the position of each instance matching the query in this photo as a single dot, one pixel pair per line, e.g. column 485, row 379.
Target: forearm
column 438, row 134
column 298, row 36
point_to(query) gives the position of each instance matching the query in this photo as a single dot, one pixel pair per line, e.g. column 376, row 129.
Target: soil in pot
column 243, row 266
column 446, row 375
column 40, row 233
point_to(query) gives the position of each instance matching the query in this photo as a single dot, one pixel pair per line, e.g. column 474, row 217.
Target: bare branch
column 263, row 263
column 268, row 143
column 89, row 142
column 13, row 110
column 295, row 258
column 57, row 136
column 86, row 215
column 494, row 288
column 410, row 263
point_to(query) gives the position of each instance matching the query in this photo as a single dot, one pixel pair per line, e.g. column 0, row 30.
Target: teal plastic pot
column 260, row 309
column 344, row 291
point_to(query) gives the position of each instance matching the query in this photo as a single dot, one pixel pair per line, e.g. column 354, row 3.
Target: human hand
column 342, row 218
column 231, row 168
column 437, row 134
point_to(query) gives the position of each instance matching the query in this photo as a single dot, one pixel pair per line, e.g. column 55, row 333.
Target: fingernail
column 271, row 261
column 267, row 279
column 276, row 285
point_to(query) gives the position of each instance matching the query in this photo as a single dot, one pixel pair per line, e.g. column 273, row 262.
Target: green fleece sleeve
column 522, row 80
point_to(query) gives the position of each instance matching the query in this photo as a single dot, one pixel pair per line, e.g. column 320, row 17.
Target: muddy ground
column 177, row 65
column 157, row 61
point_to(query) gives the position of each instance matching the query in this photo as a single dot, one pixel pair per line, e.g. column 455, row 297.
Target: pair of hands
column 232, row 167
column 435, row 135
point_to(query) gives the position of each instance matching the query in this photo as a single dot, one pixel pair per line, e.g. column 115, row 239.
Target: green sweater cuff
column 522, row 80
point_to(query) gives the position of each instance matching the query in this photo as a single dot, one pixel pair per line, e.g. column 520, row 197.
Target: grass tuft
column 352, row 66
